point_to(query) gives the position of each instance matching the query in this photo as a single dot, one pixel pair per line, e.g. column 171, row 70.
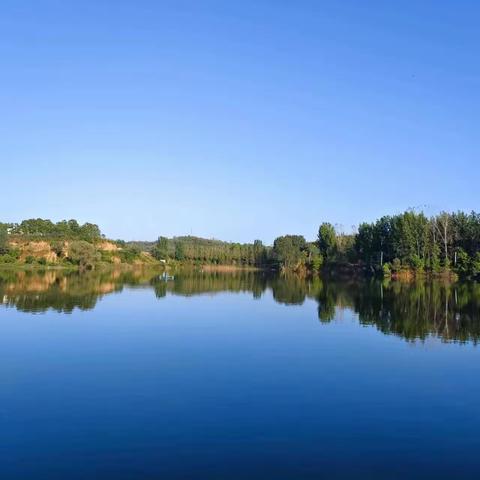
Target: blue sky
column 237, row 120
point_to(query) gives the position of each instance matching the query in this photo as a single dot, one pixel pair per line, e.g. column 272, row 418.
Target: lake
column 135, row 375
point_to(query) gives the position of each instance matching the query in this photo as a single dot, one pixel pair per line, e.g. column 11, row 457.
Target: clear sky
column 237, row 119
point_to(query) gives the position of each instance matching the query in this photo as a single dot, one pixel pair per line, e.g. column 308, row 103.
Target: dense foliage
column 83, row 254
column 204, row 251
column 327, row 240
column 290, row 250
column 3, row 239
column 43, row 242
column 411, row 240
column 406, row 243
column 39, row 227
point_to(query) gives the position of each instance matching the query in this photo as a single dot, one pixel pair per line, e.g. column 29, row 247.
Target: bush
column 129, row 254
column 396, row 265
column 14, row 253
column 416, row 262
column 387, row 270
column 317, row 261
column 7, row 258
column 106, row 257
column 30, row 259
column 83, row 254
column 57, row 247
column 3, row 240
column 179, row 252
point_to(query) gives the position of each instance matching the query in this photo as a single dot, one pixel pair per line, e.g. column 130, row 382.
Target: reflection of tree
column 159, row 287
column 326, row 299
column 196, row 283
column 289, row 289
column 412, row 311
column 33, row 291
column 431, row 309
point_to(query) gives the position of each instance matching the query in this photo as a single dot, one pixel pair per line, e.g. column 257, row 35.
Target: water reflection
column 413, row 311
column 37, row 292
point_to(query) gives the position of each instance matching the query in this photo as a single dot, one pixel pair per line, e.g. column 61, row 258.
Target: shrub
column 179, row 251
column 106, row 257
column 14, row 253
column 83, row 254
column 317, row 261
column 387, row 270
column 3, row 240
column 57, row 247
column 129, row 254
column 396, row 265
column 417, row 262
column 7, row 258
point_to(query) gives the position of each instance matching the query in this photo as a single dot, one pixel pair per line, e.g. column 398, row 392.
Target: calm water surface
column 236, row 376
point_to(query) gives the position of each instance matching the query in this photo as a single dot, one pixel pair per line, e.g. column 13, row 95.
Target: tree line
column 70, row 244
column 410, row 241
column 198, row 250
column 407, row 242
column 290, row 252
column 39, row 227
column 444, row 242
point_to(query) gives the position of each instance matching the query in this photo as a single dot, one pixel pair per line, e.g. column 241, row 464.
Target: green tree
column 3, row 239
column 83, row 254
column 259, row 253
column 73, row 227
column 89, row 232
column 476, row 265
column 160, row 251
column 290, row 250
column 463, row 262
column 327, row 240
column 179, row 251
column 316, row 262
column 364, row 242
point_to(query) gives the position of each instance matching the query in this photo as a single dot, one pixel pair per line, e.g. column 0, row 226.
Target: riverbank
column 229, row 268
column 403, row 274
column 24, row 253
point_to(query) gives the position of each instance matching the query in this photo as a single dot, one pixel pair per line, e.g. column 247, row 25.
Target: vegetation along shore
column 405, row 245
